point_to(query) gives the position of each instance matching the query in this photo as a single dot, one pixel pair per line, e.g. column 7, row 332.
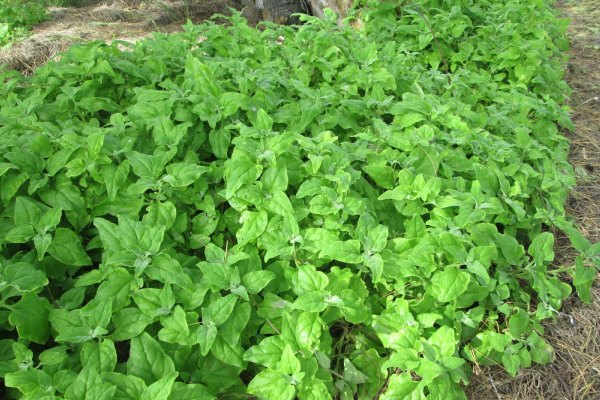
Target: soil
column 575, row 335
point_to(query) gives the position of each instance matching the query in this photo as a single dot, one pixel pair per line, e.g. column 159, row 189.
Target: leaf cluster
column 310, row 212
column 16, row 16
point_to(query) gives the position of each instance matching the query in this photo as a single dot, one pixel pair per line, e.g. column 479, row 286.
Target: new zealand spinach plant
column 316, row 212
column 16, row 16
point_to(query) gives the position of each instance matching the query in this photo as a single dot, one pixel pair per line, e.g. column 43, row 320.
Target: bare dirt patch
column 128, row 20
column 575, row 336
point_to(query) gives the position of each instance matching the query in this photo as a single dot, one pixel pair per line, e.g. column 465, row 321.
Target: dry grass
column 575, row 336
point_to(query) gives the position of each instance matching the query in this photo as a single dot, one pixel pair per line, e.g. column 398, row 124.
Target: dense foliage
column 313, row 213
column 16, row 16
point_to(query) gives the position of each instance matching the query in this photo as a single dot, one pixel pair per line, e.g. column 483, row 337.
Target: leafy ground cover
column 314, row 212
column 575, row 335
column 127, row 20
column 16, row 16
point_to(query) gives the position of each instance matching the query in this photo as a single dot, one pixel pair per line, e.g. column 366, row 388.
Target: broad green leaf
column 129, row 323
column 207, row 333
column 182, row 391
column 147, row 360
column 26, row 211
column 542, row 248
column 89, row 385
column 233, row 328
column 267, row 353
column 583, row 279
column 20, row 234
column 183, row 174
column 230, row 354
column 100, row 356
column 241, row 171
column 271, row 385
column 23, row 277
column 345, row 251
column 220, row 309
column 175, row 328
column 30, row 316
column 160, row 214
column 66, row 247
column 115, row 178
column 308, row 330
column 444, row 341
column 128, row 387
column 518, row 323
column 161, row 389
column 253, row 225
column 256, row 281
column 449, row 284
column 307, row 279
column 33, row 383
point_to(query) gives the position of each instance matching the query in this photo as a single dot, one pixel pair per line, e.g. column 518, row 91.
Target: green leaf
column 128, row 387
column 353, row 375
column 26, row 211
column 100, row 356
column 54, row 355
column 449, row 284
column 115, row 177
column 253, row 225
column 161, row 389
column 33, row 383
column 401, row 386
column 220, row 309
column 230, row 354
column 23, row 277
column 268, row 352
column 347, row 251
column 41, row 243
column 89, row 385
column 167, row 270
column 444, row 341
column 518, row 323
column 510, row 248
column 289, row 363
column 255, row 281
column 311, row 302
column 190, row 391
column 20, row 234
column 542, row 248
column 183, row 174
column 160, row 213
column 175, row 328
column 129, row 323
column 263, row 121
column 207, row 333
column 541, row 351
column 155, row 302
column 241, row 171
column 271, row 385
column 307, row 279
column 66, row 247
column 30, row 316
column 232, row 329
column 147, row 360
column 308, row 330
column 315, row 390
column 583, row 279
